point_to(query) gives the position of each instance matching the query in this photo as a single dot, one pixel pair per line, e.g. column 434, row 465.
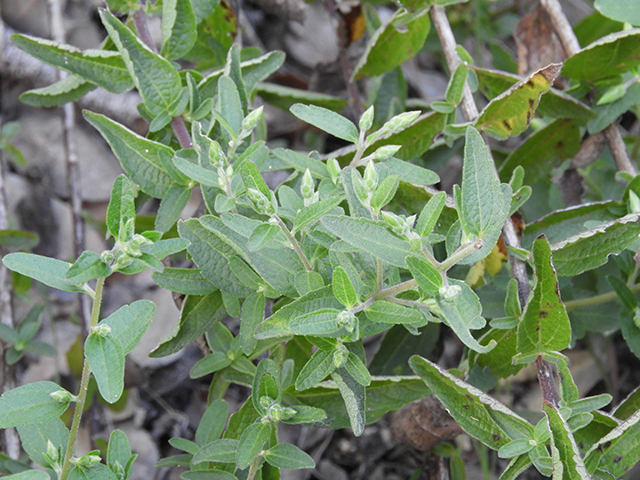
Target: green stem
column 461, row 253
column 294, row 243
column 598, row 299
column 254, row 468
column 84, row 387
column 379, row 274
column 396, row 289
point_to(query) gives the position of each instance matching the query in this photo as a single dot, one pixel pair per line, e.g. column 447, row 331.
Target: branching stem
column 294, row 243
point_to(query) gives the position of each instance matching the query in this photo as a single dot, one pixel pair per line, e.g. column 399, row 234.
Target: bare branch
column 571, row 45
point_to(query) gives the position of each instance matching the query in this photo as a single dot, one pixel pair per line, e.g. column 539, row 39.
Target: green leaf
column 171, row 207
column 462, row 314
column 319, row 367
column 369, row 236
column 251, row 316
column 139, row 157
column 96, row 472
column 314, row 212
column 626, row 296
column 106, row 359
column 516, row 467
column 505, row 116
column 354, row 397
column 31, row 404
column 88, row 266
column 591, row 248
column 544, row 150
column 199, row 314
column 29, row 475
column 200, row 174
column 545, row 326
column 618, row 51
column 277, row 325
column 398, row 345
column 620, row 10
column 118, row 449
column 456, row 85
column 253, row 72
column 430, row 213
column 69, row 89
column 222, row 450
column 276, row 266
column 617, row 451
column 288, row 457
column 410, row 173
column 562, row 439
column 483, row 206
column 385, row 192
column 415, row 140
column 129, row 323
column 252, row 179
column 188, row 281
column 384, row 394
column 47, row 270
column 326, row 120
column 209, row 474
column 480, row 415
column 499, row 358
column 178, row 28
column 230, row 103
column 382, row 311
column 284, row 97
column 251, row 443
column 121, row 205
column 212, row 422
column 358, row 370
column 428, row 278
column 155, row 78
column 305, row 414
column 319, row 323
column 308, row 282
column 609, row 113
column 397, row 40
column 211, row 254
column 515, row 448
column 18, row 239
column 265, row 236
column 101, row 67
column 211, row 363
column 35, row 439
column 342, row 288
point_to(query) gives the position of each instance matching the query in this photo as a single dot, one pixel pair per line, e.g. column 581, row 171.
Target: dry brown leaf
column 538, row 45
column 424, row 423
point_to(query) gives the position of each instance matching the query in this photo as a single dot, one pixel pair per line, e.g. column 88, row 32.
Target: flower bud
column 250, row 122
column 307, row 187
column 450, row 292
column 366, row 120
column 62, row 396
column 216, row 155
column 347, row 320
column 261, row 203
column 333, row 167
column 102, row 330
column 370, row 177
column 340, row 356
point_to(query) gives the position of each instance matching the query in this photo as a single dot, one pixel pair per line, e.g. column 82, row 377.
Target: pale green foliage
column 349, row 246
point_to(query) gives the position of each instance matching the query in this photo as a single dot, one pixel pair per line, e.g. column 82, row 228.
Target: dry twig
column 571, row 45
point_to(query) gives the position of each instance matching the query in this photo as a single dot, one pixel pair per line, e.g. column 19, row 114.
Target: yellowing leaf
column 509, row 114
